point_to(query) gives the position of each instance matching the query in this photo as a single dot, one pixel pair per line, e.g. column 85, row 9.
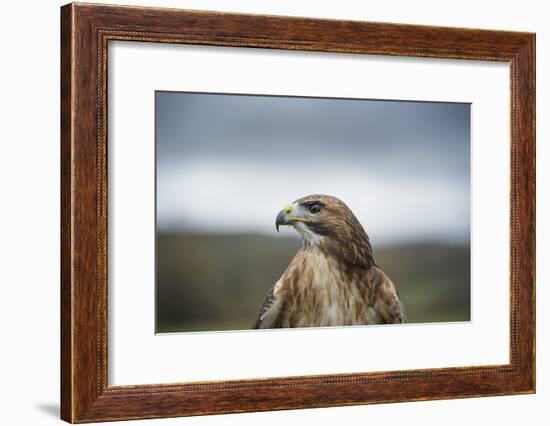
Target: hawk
column 333, row 279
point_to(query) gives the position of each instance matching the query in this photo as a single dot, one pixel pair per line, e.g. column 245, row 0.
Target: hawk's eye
column 314, row 208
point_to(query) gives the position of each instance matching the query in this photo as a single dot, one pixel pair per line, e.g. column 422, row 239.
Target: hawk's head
column 328, row 223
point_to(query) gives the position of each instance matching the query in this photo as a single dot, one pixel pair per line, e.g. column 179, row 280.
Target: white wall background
column 29, row 236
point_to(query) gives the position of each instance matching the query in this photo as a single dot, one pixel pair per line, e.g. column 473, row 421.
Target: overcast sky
column 229, row 163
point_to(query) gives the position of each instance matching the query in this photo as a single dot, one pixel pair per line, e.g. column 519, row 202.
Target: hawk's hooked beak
column 290, row 215
column 283, row 217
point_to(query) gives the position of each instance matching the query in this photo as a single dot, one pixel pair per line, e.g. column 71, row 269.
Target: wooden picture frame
column 86, row 30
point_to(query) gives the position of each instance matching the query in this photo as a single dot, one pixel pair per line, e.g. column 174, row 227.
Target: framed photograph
column 264, row 213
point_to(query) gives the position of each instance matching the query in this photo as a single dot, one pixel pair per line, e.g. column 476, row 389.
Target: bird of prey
column 333, row 279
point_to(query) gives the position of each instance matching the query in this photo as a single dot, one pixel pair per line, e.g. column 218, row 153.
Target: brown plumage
column 333, row 280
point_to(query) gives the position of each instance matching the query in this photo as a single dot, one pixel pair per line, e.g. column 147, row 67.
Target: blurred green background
column 209, row 282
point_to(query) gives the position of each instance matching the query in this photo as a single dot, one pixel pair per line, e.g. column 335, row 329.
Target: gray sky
column 229, row 163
